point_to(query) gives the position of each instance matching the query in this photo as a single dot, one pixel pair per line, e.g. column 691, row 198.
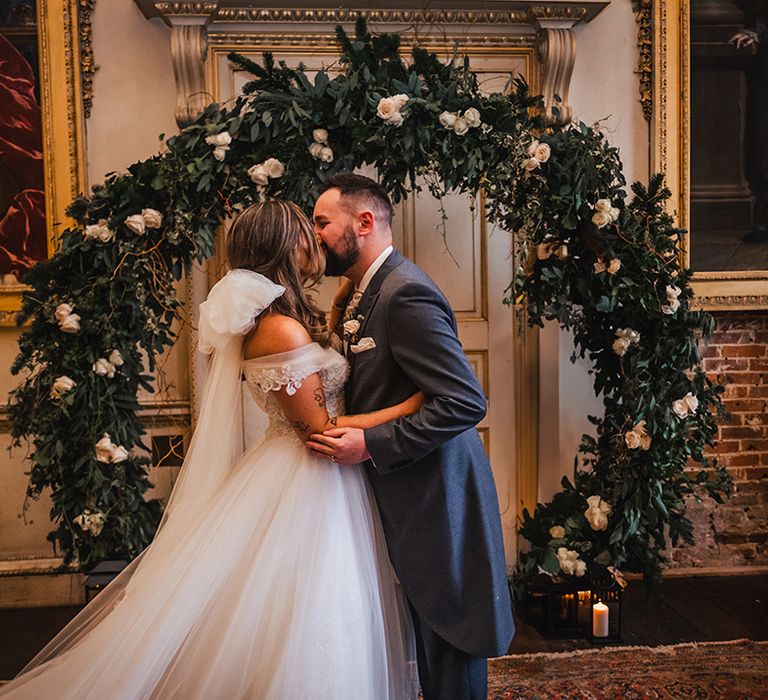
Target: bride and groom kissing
column 354, row 552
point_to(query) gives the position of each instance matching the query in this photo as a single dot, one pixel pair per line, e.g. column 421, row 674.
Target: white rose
column 396, row 119
column 531, row 164
column 472, row 117
column 104, row 368
column 581, row 568
column 221, row 139
column 603, row 205
column 351, row 327
column 596, row 519
column 692, row 401
column 387, row 108
column 104, row 449
column 96, row 524
column 531, row 150
column 326, row 155
column 258, row 174
column 316, row 149
column 620, row 346
column 400, row 100
column 62, row 311
column 632, row 439
column 645, row 442
column 119, row 454
column 614, row 214
column 135, row 223
column 673, row 292
column 116, row 358
column 542, row 152
column 562, row 252
column 220, row 152
column 557, row 532
column 601, row 218
column 320, row 135
column 448, row 119
column 629, row 334
column 100, row 231
column 460, row 126
column 62, row 385
column 71, row 324
column 671, row 307
column 599, row 266
column 274, row 167
column 680, row 408
column 614, row 266
column 152, row 218
column 543, row 251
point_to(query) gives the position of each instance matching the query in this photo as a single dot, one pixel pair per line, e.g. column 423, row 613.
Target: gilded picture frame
column 63, row 138
column 671, row 153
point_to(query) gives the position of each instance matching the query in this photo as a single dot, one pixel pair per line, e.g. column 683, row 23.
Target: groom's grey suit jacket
column 429, row 471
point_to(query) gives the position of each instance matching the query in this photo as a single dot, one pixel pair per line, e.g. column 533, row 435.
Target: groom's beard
column 338, row 262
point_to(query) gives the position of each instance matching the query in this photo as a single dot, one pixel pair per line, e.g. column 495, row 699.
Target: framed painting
column 41, row 135
column 710, row 136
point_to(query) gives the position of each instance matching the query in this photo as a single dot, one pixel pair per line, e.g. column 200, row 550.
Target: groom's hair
column 360, row 191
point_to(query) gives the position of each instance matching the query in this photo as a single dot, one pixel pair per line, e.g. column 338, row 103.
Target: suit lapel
column 371, row 295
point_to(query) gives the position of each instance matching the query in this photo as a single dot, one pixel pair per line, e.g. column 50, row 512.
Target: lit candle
column 600, row 619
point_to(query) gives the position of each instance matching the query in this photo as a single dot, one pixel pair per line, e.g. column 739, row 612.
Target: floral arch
column 599, row 263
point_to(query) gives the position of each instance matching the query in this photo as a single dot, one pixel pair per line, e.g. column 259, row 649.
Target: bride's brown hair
column 275, row 238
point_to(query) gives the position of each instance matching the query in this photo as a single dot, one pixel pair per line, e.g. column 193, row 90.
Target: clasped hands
column 342, row 445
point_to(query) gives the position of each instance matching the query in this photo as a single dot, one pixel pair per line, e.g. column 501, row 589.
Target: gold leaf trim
column 87, row 65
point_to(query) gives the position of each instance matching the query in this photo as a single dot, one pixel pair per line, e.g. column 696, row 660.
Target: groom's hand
column 343, row 445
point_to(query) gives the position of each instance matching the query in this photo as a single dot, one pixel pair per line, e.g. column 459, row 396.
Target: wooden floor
column 693, row 610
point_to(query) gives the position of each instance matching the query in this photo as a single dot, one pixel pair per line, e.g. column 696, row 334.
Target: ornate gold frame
column 670, row 153
column 63, row 135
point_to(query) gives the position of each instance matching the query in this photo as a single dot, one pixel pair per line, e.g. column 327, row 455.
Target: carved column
column 189, row 45
column 556, row 51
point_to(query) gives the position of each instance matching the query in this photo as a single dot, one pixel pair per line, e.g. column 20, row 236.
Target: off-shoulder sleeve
column 285, row 369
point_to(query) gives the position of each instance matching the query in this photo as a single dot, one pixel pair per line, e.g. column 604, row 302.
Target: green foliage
column 123, row 288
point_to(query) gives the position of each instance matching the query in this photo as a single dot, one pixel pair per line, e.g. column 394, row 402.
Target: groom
column 429, row 471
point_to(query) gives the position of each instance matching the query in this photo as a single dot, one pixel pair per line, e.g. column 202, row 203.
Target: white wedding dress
column 269, row 576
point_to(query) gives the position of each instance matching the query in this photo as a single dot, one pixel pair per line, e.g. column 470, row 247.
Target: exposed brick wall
column 736, row 533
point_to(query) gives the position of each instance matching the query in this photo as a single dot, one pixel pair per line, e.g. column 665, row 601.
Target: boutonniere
column 351, row 328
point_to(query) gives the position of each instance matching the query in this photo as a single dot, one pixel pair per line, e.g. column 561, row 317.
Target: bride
column 268, row 576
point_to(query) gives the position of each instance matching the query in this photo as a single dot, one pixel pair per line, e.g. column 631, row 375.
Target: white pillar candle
column 600, row 620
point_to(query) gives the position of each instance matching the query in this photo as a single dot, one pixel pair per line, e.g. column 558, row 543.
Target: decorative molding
column 645, row 60
column 189, row 46
column 338, row 15
column 87, row 66
column 556, row 50
column 731, row 302
column 290, row 40
column 185, row 8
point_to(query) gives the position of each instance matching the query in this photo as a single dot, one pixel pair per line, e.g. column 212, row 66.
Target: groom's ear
column 366, row 222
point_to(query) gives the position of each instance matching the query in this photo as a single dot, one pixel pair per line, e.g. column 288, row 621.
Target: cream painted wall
column 604, row 87
column 134, row 101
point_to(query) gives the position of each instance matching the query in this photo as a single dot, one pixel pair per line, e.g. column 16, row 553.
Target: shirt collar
column 374, row 268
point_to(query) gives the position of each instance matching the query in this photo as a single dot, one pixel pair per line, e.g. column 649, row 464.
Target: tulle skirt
column 279, row 587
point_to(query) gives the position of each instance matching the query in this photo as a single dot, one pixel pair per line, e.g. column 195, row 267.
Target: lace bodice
column 266, row 375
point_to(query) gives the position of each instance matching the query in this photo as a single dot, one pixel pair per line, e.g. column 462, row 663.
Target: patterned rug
column 735, row 670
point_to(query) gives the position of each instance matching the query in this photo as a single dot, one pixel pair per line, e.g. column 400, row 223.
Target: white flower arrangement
column 135, row 223
column 687, row 406
column 261, row 173
column 537, row 153
column 68, row 322
column 109, row 453
column 597, row 513
column 570, row 563
column 638, row 437
column 625, row 337
column 61, row 386
column 389, row 109
column 99, row 231
column 605, row 213
column 106, row 367
column 673, row 303
column 220, row 143
column 91, row 521
column 460, row 124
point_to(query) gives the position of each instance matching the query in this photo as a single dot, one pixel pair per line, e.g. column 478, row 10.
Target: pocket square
column 362, row 345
